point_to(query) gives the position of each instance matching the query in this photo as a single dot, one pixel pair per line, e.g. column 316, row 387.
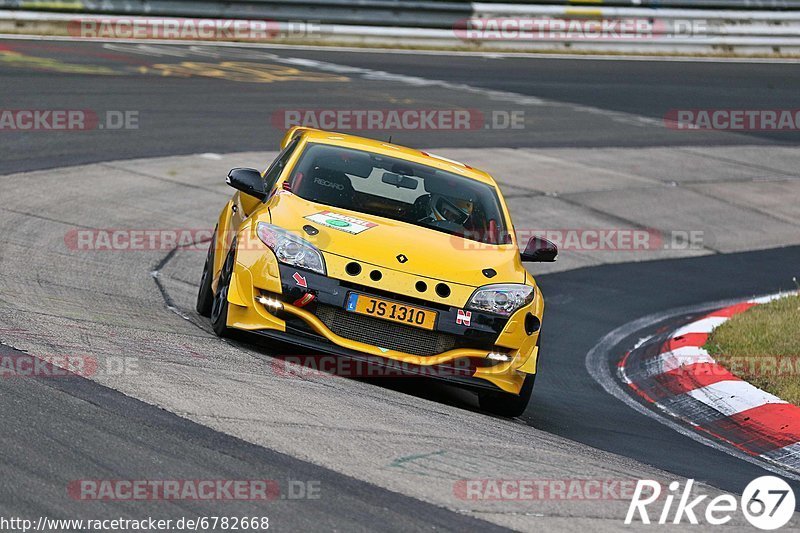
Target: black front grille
column 383, row 333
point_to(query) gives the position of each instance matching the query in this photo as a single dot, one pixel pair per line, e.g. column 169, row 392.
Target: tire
column 509, row 405
column 219, row 305
column 205, row 296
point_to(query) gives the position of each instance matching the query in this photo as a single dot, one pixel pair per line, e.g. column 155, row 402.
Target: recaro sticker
column 341, row 222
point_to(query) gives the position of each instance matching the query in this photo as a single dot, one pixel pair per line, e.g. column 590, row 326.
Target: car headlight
column 502, row 298
column 291, row 249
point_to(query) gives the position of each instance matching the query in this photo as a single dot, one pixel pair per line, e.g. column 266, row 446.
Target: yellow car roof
column 394, row 150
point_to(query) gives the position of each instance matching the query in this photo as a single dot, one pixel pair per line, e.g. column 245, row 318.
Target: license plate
column 388, row 310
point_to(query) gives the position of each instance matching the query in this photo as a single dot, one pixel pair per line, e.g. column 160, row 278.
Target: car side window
column 275, row 170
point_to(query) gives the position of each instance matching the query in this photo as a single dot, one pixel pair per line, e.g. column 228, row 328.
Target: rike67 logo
column 767, row 503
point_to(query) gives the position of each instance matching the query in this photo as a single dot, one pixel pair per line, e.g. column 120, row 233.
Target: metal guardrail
column 410, row 13
column 402, row 13
column 443, row 14
column 421, row 14
column 484, row 10
column 436, row 23
column 689, row 4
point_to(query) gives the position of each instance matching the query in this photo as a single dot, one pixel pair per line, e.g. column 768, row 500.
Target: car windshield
column 401, row 190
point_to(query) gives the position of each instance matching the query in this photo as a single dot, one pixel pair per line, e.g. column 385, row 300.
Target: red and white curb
column 679, row 377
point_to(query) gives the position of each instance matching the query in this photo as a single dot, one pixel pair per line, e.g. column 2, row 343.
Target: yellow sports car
column 366, row 250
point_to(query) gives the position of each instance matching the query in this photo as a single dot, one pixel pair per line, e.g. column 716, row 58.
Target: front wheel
column 205, row 295
column 219, row 306
column 508, row 405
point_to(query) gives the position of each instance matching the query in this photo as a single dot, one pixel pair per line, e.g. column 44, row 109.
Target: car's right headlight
column 501, row 298
column 291, row 249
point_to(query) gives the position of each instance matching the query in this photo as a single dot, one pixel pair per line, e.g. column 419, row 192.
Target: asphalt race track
column 202, row 408
column 239, row 118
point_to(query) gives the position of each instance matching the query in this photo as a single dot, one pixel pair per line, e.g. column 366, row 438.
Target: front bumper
column 373, row 366
column 267, row 299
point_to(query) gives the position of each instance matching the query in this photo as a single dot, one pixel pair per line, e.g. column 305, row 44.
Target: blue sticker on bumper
column 352, row 298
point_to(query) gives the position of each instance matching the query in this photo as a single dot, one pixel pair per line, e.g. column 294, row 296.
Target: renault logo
column 402, row 258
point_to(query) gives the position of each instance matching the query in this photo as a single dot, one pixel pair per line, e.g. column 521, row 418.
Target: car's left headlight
column 501, row 298
column 291, row 249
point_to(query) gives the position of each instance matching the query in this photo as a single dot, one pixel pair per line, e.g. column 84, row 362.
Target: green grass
column 762, row 346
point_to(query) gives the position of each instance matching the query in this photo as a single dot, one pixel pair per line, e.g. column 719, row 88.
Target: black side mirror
column 540, row 250
column 247, row 180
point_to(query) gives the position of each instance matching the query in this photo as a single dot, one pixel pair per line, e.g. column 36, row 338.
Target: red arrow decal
column 300, row 279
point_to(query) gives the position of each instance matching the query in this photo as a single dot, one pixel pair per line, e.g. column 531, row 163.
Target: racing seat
column 329, row 187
